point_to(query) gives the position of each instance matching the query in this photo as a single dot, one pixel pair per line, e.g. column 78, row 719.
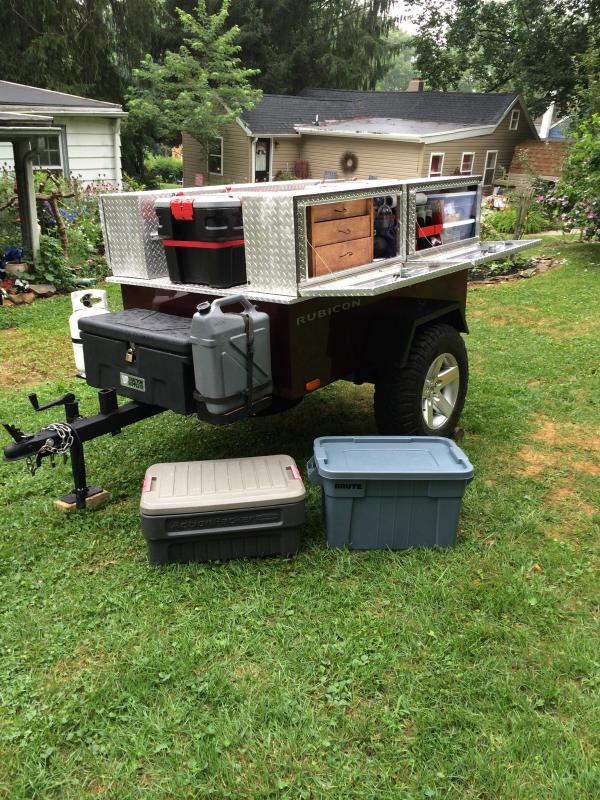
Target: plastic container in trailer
column 216, row 510
column 390, row 492
column 203, row 239
column 207, row 218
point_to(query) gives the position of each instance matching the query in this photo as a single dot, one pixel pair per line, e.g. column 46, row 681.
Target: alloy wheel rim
column 440, row 391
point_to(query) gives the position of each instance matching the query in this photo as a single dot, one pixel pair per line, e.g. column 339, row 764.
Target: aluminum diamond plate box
column 275, row 219
column 129, row 225
column 270, row 236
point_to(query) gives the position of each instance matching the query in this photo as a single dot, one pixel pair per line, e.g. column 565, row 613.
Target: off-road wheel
column 425, row 397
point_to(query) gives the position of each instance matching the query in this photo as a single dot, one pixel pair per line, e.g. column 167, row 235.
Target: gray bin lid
column 196, row 486
column 391, row 458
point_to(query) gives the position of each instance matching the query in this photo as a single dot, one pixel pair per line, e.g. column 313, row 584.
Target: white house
column 87, row 143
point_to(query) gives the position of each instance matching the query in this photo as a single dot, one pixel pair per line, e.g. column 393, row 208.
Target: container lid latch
column 182, row 208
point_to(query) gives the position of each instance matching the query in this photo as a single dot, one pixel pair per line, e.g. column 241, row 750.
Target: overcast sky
column 400, row 11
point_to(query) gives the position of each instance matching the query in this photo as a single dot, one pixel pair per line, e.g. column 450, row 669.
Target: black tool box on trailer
column 145, row 355
column 203, row 237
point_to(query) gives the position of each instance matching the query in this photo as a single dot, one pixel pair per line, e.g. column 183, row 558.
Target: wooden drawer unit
column 341, row 230
column 340, row 236
column 341, row 255
column 341, row 210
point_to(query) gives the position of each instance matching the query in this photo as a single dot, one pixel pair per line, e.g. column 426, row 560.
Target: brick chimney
column 416, row 84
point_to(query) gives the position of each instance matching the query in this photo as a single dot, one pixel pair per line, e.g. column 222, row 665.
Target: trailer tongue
column 305, row 283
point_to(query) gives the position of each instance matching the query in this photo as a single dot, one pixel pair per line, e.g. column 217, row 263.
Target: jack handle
column 68, row 400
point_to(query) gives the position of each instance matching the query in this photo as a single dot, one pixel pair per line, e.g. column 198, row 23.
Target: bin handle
column 321, row 453
column 235, row 298
column 313, row 472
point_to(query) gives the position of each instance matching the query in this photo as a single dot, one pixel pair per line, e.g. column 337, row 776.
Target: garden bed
column 512, row 269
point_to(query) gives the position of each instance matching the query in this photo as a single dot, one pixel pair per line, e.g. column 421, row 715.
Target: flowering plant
column 575, row 201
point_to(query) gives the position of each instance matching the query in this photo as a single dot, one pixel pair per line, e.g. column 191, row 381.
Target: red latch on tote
column 182, row 208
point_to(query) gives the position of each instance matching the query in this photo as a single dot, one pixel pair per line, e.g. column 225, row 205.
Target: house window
column 49, row 157
column 490, row 167
column 514, row 119
column 466, row 163
column 215, row 156
column 436, row 165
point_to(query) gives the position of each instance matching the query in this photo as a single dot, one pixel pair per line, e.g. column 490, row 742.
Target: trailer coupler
column 67, row 438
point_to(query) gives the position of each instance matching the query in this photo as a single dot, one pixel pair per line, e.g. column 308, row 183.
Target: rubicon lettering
column 321, row 313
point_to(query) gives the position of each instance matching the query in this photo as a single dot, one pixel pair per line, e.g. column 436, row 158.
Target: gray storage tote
column 390, row 492
column 215, row 510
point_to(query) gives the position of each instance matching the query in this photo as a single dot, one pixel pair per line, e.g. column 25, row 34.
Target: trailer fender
column 392, row 334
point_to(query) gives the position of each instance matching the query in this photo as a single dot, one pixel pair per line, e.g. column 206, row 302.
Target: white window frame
column 441, row 172
column 486, row 169
column 515, row 116
column 462, row 161
column 52, row 167
column 208, row 156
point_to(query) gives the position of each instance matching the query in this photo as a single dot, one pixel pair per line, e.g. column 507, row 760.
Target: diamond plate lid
column 197, row 486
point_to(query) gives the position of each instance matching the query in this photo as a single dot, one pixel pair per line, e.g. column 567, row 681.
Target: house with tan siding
column 329, row 133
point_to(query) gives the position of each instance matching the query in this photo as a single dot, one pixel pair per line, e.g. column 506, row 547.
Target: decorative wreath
column 349, row 162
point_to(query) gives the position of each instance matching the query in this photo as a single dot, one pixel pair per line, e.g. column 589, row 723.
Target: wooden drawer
column 341, row 210
column 340, row 230
column 342, row 255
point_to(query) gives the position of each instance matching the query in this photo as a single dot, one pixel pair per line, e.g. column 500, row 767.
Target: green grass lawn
column 471, row 674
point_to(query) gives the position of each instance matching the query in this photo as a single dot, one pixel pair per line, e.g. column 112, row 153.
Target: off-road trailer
column 361, row 280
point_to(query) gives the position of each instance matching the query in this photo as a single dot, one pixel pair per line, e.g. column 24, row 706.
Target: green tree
column 298, row 43
column 196, row 89
column 397, row 78
column 85, row 47
column 587, row 91
column 505, row 45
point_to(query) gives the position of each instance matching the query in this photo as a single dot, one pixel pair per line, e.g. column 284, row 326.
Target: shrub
column 285, row 175
column 575, row 201
column 10, row 230
column 504, row 222
column 72, row 247
column 51, row 265
column 162, row 169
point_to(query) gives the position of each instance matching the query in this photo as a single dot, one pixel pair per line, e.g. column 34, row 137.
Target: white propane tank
column 86, row 303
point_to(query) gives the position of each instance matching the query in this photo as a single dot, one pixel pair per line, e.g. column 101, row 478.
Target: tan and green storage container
column 216, row 510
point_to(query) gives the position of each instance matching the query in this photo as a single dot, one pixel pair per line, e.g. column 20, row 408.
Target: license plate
column 133, row 382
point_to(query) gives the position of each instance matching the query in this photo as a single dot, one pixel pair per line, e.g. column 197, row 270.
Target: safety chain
column 65, row 435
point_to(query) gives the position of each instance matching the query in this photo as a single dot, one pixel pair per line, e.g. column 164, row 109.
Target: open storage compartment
column 442, row 213
column 377, row 279
column 351, row 233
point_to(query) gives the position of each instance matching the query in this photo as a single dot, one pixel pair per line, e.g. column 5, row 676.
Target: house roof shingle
column 278, row 114
column 18, row 94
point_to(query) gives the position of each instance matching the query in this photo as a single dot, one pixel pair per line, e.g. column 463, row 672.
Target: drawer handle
column 345, row 255
column 340, row 210
column 344, row 230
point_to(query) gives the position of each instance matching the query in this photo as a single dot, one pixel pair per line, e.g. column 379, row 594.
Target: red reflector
column 182, row 208
column 312, row 385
